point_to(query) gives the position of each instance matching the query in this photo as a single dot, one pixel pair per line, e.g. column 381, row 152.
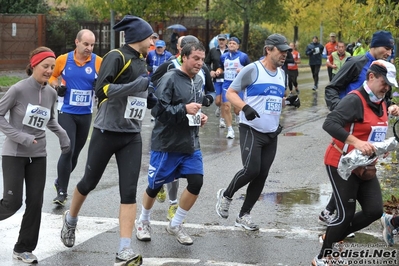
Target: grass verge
column 7, row 81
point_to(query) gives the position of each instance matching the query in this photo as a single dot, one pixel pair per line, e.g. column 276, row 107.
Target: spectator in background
column 337, row 58
column 173, row 42
column 314, row 50
column 156, row 57
column 329, row 48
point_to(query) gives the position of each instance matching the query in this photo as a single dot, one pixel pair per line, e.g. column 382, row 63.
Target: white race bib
column 273, row 105
column 378, row 133
column 80, row 97
column 194, row 120
column 135, row 108
column 36, row 116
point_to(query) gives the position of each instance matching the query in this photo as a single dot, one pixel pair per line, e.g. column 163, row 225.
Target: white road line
column 89, row 227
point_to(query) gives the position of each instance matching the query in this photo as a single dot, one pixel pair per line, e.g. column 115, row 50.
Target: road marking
column 88, row 227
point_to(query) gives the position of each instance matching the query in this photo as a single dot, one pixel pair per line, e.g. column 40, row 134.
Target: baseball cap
column 382, row 38
column 222, row 37
column 234, row 39
column 155, row 35
column 279, row 41
column 332, row 34
column 387, row 69
column 160, row 44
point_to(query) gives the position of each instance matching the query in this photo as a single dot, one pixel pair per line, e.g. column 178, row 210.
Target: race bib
column 80, row 97
column 378, row 133
column 135, row 108
column 36, row 116
column 194, row 120
column 273, row 105
column 230, row 73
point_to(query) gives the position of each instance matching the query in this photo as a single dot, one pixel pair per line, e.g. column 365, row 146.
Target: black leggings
column 258, row 151
column 127, row 148
column 346, row 193
column 77, row 128
column 315, row 73
column 16, row 170
column 292, row 79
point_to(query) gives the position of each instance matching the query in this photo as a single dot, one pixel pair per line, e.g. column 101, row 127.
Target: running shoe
column 222, row 204
column 217, row 112
column 237, row 119
column 67, row 232
column 161, row 196
column 297, row 91
column 128, row 258
column 180, row 234
column 222, row 124
column 26, row 257
column 246, row 222
column 61, row 198
column 388, row 229
column 326, row 217
column 143, row 230
column 230, row 134
column 319, row 262
column 172, row 211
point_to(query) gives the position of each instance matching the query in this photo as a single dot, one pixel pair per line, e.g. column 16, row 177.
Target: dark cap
column 222, row 37
column 386, row 69
column 136, row 29
column 234, row 39
column 279, row 41
column 382, row 38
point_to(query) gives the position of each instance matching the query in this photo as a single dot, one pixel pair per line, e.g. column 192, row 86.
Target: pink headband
column 37, row 58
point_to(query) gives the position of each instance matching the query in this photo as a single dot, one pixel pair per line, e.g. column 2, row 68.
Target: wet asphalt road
column 296, row 191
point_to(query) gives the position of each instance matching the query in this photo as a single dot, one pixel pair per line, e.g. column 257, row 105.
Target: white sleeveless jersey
column 265, row 95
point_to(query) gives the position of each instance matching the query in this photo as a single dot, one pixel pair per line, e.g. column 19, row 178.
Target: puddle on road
column 303, row 196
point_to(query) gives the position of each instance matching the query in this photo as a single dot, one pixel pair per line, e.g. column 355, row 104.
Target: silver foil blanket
column 355, row 158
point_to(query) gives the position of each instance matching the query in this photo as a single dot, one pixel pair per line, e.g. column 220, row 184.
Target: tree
column 247, row 12
column 155, row 10
column 24, row 7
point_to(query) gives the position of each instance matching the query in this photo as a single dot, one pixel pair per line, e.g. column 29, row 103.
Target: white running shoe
column 143, row 230
column 217, row 112
column 230, row 134
column 222, row 124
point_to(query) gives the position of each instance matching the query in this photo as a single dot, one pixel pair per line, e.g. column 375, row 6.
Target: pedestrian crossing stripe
column 49, row 243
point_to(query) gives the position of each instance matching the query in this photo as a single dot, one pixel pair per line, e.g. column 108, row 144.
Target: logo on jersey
column 88, row 70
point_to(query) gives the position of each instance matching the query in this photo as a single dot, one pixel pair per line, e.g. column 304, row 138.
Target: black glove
column 151, row 88
column 250, row 113
column 293, row 100
column 151, row 100
column 61, row 90
column 207, row 100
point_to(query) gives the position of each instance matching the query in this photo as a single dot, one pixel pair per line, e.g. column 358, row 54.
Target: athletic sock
column 179, row 217
column 145, row 214
column 72, row 221
column 124, row 242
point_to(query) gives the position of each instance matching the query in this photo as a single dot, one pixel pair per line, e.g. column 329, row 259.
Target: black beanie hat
column 136, row 29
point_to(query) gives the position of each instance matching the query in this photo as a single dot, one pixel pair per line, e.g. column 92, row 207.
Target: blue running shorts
column 167, row 166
